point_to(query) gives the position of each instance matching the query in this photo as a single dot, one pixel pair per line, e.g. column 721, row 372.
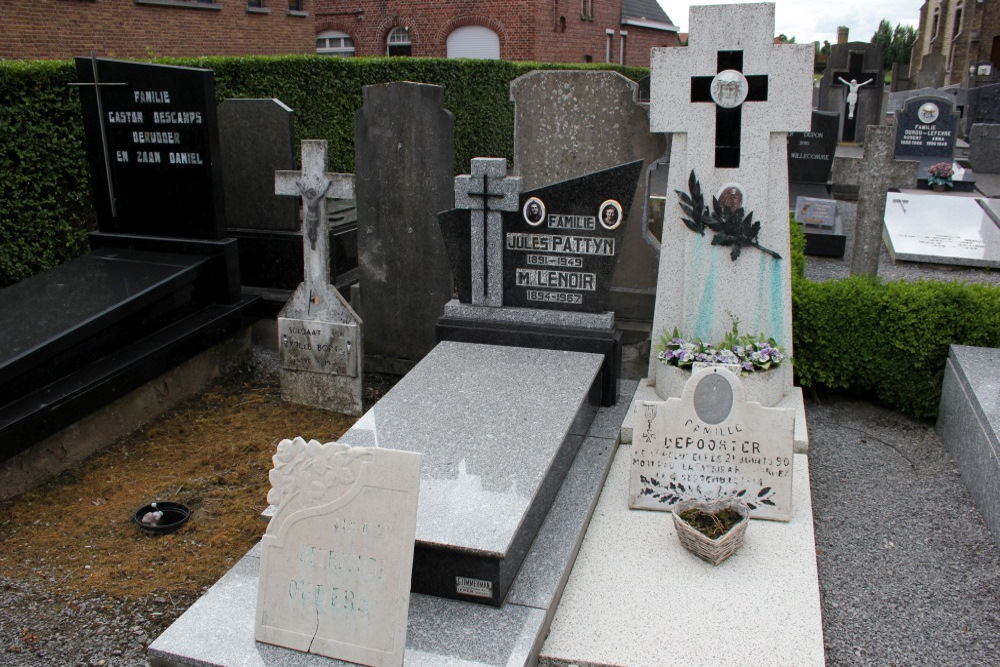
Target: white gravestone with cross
column 487, row 191
column 729, row 99
column 319, row 335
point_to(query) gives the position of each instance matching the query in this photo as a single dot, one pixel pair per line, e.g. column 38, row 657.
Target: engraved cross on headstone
column 314, row 185
column 97, row 84
column 486, row 192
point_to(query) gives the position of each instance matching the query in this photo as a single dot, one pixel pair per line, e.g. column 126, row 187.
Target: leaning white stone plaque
column 711, row 443
column 337, row 556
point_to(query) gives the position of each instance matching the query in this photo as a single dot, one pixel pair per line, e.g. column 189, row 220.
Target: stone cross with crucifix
column 319, row 335
column 729, row 98
column 852, row 79
column 486, row 192
column 314, row 185
column 874, row 174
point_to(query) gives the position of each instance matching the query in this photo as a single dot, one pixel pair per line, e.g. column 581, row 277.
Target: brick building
column 574, row 31
column 966, row 33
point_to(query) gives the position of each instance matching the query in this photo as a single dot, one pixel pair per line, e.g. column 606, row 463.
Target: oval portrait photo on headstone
column 732, row 196
column 928, row 113
column 610, row 214
column 534, row 211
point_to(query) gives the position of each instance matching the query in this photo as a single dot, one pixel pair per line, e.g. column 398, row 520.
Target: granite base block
column 968, row 421
column 218, row 629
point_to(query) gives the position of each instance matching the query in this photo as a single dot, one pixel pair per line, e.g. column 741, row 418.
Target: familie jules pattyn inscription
column 711, row 443
column 337, row 557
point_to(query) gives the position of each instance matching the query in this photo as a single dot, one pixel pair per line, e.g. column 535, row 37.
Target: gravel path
column 909, row 573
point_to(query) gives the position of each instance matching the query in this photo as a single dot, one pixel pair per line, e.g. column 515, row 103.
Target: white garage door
column 474, row 41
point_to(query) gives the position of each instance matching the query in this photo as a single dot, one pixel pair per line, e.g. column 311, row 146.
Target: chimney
column 842, row 34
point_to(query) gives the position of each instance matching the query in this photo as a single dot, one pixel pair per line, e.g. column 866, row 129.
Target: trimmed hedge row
column 889, row 340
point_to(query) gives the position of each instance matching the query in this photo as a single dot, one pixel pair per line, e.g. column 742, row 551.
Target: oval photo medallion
column 610, row 214
column 729, row 88
column 713, row 399
column 928, row 113
column 534, row 211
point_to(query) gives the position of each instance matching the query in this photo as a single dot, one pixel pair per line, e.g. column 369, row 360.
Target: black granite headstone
column 810, row 154
column 926, row 127
column 984, row 106
column 257, row 139
column 153, row 147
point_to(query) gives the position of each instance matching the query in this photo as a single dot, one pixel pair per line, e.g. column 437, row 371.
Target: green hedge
column 888, row 339
column 46, row 208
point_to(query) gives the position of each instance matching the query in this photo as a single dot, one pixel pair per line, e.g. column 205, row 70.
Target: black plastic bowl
column 174, row 516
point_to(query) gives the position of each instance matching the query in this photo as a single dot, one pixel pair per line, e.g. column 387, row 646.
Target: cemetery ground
column 909, row 573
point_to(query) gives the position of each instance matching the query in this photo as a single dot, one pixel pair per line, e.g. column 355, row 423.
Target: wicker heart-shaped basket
column 711, row 550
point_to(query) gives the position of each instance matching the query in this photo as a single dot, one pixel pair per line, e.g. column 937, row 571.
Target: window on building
column 398, row 43
column 474, row 41
column 334, row 43
column 607, row 45
column 621, row 48
column 587, row 9
column 296, row 5
column 935, row 22
column 255, row 4
column 958, row 20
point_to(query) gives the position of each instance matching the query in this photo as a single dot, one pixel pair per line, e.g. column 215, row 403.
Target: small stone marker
column 875, row 174
column 711, row 443
column 816, row 213
column 337, row 557
column 318, row 331
column 487, row 191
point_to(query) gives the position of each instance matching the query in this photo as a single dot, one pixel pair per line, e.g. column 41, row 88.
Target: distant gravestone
column 874, row 175
column 711, row 443
column 810, row 154
column 852, row 84
column 404, row 157
column 337, row 556
column 158, row 171
column 572, row 123
column 984, row 148
column 931, row 72
column 926, row 129
column 729, row 145
column 984, row 106
column 257, row 138
column 940, row 229
column 319, row 336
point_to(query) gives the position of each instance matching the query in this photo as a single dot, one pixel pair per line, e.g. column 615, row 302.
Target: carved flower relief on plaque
column 307, row 474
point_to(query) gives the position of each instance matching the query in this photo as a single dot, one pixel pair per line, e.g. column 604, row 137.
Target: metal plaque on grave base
column 320, row 347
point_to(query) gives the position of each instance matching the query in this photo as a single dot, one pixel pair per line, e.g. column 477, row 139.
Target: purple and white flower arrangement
column 752, row 353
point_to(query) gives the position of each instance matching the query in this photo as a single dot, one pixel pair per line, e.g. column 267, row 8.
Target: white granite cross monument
column 487, row 191
column 318, row 332
column 729, row 99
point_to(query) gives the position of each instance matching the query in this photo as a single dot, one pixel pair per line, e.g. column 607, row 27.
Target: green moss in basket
column 712, row 525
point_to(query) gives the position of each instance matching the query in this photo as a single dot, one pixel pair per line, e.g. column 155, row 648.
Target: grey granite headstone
column 859, row 62
column 931, row 72
column 338, row 553
column 984, row 148
column 712, row 443
column 572, row 123
column 897, row 99
column 257, row 139
column 874, row 174
column 404, row 156
column 318, row 332
column 984, row 106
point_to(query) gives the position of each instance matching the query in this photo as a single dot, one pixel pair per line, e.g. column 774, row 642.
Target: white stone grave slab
column 942, row 229
column 337, row 556
column 711, row 443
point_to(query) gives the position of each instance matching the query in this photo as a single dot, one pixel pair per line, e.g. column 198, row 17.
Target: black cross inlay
column 97, row 83
column 729, row 122
column 855, row 70
column 485, row 194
